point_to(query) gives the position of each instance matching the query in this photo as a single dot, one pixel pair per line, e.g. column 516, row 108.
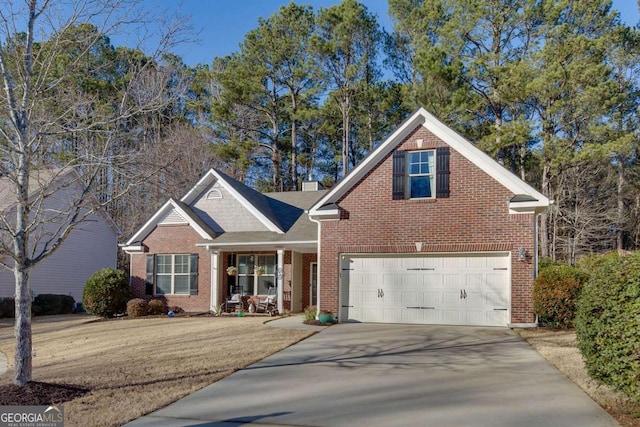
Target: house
column 90, row 246
column 182, row 253
column 427, row 229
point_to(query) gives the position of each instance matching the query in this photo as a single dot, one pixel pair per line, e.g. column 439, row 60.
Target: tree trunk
column 544, row 218
column 22, row 327
column 294, row 145
column 345, row 136
column 21, row 273
column 620, row 195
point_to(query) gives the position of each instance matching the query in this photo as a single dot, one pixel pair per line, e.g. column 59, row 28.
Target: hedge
column 608, row 321
column 555, row 295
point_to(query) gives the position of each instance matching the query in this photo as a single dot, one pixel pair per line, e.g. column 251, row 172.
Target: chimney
column 311, row 186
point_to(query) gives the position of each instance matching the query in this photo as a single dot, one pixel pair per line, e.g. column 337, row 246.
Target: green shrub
column 157, row 306
column 106, row 292
column 137, row 307
column 555, row 295
column 608, row 321
column 7, row 308
column 546, row 262
column 49, row 304
column 310, row 313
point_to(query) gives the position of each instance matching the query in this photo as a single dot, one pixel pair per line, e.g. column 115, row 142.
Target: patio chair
column 269, row 303
column 234, row 302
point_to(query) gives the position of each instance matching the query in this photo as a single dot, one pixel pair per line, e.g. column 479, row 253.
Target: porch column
column 214, row 281
column 280, row 280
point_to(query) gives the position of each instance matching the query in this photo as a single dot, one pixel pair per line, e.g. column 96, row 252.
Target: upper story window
column 421, row 174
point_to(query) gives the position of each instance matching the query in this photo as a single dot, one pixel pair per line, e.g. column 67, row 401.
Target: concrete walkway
column 393, row 375
column 294, row 322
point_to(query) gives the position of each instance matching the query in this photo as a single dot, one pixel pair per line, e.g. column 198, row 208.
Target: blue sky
column 223, row 23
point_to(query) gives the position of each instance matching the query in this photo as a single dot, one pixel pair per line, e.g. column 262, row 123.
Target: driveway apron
column 393, row 375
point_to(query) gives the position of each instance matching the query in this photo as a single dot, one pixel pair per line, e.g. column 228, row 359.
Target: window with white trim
column 421, row 174
column 174, row 274
column 256, row 273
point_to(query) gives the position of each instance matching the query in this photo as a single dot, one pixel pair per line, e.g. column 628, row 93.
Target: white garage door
column 461, row 289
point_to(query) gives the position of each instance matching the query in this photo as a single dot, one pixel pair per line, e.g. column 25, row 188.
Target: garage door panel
column 450, row 297
column 430, row 298
column 451, row 317
column 431, row 280
column 440, row 289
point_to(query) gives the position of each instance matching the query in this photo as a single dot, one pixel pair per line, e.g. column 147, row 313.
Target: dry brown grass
column 136, row 366
column 559, row 348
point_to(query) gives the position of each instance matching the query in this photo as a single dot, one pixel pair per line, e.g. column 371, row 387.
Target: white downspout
column 214, row 281
column 280, row 280
column 319, row 264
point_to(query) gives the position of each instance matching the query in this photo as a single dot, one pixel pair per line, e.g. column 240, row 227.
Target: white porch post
column 280, row 280
column 214, row 281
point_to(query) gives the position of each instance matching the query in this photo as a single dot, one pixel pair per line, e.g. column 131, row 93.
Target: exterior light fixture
column 522, row 254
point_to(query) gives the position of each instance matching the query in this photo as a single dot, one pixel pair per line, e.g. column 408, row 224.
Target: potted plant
column 259, row 270
column 325, row 317
column 232, row 270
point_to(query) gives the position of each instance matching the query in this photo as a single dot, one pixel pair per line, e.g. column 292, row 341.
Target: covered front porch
column 253, row 271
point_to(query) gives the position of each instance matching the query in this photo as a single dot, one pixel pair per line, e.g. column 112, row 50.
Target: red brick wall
column 474, row 218
column 174, row 239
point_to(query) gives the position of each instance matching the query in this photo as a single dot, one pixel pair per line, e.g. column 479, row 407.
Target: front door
column 313, row 291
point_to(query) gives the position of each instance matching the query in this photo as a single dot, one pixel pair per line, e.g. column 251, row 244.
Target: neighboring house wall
column 91, row 246
column 475, row 218
column 174, row 239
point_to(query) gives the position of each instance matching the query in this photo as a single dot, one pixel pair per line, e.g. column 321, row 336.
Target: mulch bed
column 37, row 393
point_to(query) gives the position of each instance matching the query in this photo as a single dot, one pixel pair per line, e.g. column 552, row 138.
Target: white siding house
column 90, row 246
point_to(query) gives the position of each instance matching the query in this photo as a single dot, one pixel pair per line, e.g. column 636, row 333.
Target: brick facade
column 474, row 218
column 174, row 239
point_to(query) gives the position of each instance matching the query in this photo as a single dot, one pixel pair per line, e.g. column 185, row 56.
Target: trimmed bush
column 106, row 292
column 7, row 308
column 608, row 321
column 156, row 306
column 49, row 304
column 137, row 307
column 555, row 295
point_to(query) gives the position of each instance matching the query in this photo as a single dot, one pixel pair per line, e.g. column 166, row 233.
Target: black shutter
column 399, row 177
column 148, row 286
column 193, row 274
column 442, row 172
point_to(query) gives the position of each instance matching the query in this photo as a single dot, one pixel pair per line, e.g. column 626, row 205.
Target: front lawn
column 134, row 366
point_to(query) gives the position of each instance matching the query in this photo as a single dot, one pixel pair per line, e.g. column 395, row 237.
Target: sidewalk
column 294, row 322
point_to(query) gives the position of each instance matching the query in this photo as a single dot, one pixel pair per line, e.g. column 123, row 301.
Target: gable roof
column 255, row 202
column 283, row 214
column 527, row 199
column 290, row 208
column 183, row 210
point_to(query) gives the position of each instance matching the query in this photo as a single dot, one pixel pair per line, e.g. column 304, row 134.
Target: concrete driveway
column 393, row 375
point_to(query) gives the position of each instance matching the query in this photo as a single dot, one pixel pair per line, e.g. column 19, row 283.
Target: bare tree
column 69, row 118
